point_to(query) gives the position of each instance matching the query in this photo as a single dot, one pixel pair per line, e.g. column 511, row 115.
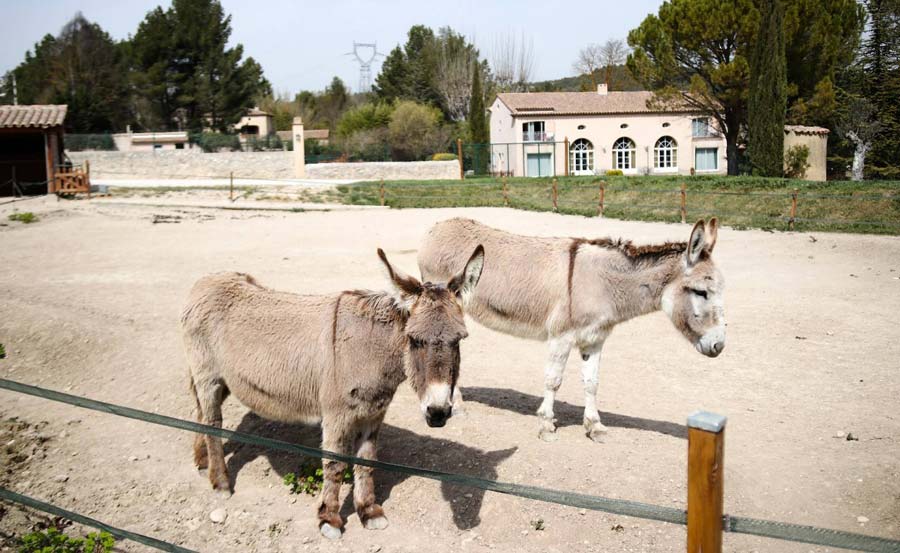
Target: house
column 31, row 148
column 814, row 138
column 255, row 124
column 604, row 131
column 150, row 141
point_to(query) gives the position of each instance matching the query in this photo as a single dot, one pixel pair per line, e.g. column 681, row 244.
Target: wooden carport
column 31, row 148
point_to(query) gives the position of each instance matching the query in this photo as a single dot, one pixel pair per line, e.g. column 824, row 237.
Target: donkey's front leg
column 590, row 373
column 337, row 440
column 560, row 347
column 370, row 513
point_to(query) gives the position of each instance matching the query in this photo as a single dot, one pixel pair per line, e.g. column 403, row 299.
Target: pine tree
column 768, row 93
column 881, row 83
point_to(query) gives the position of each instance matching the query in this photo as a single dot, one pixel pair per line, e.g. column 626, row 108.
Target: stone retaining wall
column 178, row 164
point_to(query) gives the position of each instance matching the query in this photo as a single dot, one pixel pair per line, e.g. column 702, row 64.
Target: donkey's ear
column 696, row 243
column 712, row 232
column 464, row 283
column 404, row 285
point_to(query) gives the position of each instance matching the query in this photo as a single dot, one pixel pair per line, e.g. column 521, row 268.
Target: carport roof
column 38, row 116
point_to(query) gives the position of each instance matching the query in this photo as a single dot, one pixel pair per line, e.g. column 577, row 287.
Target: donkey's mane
column 629, row 249
column 379, row 306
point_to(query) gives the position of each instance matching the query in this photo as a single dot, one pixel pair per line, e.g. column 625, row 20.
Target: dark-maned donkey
column 336, row 359
column 572, row 292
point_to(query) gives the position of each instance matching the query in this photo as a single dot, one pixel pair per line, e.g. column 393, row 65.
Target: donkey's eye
column 701, row 293
column 415, row 343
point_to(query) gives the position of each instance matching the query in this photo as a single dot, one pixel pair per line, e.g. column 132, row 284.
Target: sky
column 301, row 45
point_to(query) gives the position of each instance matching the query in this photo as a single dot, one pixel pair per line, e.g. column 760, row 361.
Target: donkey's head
column 434, row 327
column 694, row 300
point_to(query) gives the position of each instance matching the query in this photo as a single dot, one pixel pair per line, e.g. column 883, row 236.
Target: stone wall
column 180, row 164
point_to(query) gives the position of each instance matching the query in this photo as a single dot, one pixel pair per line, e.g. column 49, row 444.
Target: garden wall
column 180, row 164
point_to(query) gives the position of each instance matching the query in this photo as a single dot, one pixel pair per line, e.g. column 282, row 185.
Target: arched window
column 581, row 157
column 623, row 154
column 665, row 153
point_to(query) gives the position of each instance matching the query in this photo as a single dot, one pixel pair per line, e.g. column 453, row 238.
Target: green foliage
column 796, row 161
column 478, row 121
column 308, row 478
column 416, row 131
column 25, row 217
column 365, row 117
column 2, row 352
column 443, row 156
column 54, row 541
column 768, row 93
column 614, row 172
column 265, row 143
column 82, row 142
column 82, row 67
column 185, row 74
column 211, row 142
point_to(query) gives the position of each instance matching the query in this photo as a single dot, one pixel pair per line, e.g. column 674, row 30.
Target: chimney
column 601, row 89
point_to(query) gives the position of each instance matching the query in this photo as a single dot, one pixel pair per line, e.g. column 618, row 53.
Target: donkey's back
column 266, row 347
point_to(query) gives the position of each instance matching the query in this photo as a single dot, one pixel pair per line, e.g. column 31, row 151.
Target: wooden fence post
column 462, row 174
column 231, row 186
column 683, row 202
column 567, row 156
column 706, row 471
column 793, row 209
column 602, row 198
column 87, row 176
column 381, row 192
column 555, row 195
column 505, row 193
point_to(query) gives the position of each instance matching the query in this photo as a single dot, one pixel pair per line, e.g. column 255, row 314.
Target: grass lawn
column 846, row 206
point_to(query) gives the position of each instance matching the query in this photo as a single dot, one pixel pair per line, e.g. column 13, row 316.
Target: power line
column 365, row 63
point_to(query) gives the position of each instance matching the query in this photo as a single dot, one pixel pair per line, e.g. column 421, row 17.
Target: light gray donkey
column 336, row 359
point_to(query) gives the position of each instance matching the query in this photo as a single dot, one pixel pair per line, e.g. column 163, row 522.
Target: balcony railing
column 536, row 137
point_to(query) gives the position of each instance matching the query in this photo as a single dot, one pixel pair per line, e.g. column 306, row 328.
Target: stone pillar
column 299, row 153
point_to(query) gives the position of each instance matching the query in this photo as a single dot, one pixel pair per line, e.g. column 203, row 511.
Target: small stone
column 133, row 458
column 307, row 539
column 524, row 532
column 851, row 437
column 840, row 434
column 63, row 434
column 582, row 512
column 218, row 516
column 862, row 520
column 61, row 478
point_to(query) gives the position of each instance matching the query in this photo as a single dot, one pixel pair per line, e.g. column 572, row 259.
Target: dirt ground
column 90, row 296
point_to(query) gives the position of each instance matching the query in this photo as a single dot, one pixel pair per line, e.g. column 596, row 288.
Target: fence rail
column 764, row 528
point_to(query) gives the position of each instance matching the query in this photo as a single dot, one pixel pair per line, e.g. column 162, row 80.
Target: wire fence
column 757, row 527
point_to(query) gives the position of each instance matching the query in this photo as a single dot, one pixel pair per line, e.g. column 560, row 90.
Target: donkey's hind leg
column 560, row 346
column 210, row 395
column 201, row 458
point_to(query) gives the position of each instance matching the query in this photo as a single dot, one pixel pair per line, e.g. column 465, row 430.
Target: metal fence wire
column 778, row 530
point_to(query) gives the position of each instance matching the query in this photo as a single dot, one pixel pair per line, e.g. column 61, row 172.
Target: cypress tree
column 768, row 92
column 478, row 128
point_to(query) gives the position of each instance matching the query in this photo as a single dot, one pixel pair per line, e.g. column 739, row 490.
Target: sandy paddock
column 89, row 302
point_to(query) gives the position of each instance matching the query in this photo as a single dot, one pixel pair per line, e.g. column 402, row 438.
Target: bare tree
column 589, row 62
column 596, row 57
column 613, row 52
column 860, row 126
column 512, row 62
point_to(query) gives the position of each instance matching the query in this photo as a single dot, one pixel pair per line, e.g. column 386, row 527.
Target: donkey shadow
column 566, row 413
column 395, row 445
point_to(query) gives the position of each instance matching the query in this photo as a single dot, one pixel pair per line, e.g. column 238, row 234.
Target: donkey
column 573, row 291
column 336, row 359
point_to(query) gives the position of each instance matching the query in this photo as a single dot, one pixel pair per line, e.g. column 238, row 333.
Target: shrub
column 364, row 117
column 367, row 145
column 796, row 161
column 82, row 142
column 266, row 143
column 415, row 131
column 614, row 172
column 2, row 352
column 443, row 156
column 308, row 478
column 25, row 217
column 211, row 142
column 54, row 541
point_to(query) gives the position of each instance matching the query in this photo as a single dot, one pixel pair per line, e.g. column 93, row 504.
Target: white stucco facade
column 530, row 141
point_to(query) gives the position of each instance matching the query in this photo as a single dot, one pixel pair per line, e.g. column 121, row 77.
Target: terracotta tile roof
column 32, row 116
column 801, row 129
column 583, row 103
column 318, row 134
column 257, row 111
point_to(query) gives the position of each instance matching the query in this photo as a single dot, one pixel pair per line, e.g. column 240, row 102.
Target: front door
column 539, row 165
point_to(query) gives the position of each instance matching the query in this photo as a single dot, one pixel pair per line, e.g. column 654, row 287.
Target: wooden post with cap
column 683, row 202
column 555, row 194
column 602, row 198
column 706, row 471
column 381, row 192
column 793, row 208
column 459, row 156
column 505, row 192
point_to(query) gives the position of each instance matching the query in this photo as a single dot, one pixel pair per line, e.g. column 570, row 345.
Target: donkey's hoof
column 330, row 531
column 547, row 431
column 595, row 430
column 376, row 523
column 223, row 493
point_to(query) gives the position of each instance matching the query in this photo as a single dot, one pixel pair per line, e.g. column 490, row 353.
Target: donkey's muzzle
column 436, row 417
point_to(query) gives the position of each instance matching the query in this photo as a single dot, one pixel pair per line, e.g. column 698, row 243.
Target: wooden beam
column 706, row 471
